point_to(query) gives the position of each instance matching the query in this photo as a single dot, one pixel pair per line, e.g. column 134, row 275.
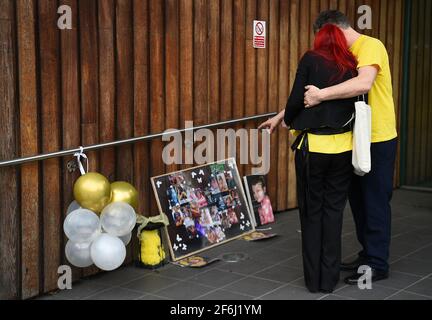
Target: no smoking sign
column 259, row 34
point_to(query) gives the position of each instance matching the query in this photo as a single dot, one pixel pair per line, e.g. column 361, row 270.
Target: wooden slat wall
column 128, row 68
column 419, row 135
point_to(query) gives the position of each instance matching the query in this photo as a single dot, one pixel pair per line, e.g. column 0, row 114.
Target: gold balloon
column 92, row 191
column 124, row 192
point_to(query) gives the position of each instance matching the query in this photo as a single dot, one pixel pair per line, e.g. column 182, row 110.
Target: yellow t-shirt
column 369, row 52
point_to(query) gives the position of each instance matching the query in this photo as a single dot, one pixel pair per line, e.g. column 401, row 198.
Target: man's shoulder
column 371, row 42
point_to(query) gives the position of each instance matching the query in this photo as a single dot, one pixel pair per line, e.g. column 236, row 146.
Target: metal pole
column 62, row 153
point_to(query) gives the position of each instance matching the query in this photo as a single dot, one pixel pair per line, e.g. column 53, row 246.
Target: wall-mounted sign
column 259, row 34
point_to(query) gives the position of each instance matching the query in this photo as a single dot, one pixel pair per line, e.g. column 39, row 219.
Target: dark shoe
column 326, row 291
column 353, row 265
column 376, row 276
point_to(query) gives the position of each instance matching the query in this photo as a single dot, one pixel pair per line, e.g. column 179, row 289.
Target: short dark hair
column 331, row 16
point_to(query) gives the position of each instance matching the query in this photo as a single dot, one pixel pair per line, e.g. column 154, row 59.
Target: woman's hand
column 273, row 123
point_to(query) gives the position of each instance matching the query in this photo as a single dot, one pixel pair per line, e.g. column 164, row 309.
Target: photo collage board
column 206, row 206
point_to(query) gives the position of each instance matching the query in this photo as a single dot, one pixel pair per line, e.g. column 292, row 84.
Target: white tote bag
column 361, row 155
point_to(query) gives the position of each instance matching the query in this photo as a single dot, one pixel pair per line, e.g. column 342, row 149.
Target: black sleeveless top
column 316, row 70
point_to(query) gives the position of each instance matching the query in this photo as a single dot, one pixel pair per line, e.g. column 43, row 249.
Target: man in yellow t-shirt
column 370, row 195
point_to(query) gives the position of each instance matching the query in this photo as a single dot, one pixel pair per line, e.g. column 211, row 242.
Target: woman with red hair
column 323, row 156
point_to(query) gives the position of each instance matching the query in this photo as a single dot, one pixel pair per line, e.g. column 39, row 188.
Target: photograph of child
column 232, row 216
column 206, row 219
column 214, row 187
column 172, row 196
column 216, row 217
column 226, row 224
column 200, row 198
column 222, row 182
column 230, row 180
column 260, row 200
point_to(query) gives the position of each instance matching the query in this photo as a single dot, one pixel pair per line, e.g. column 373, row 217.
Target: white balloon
column 82, row 225
column 72, row 207
column 108, row 252
column 118, row 219
column 126, row 239
column 78, row 254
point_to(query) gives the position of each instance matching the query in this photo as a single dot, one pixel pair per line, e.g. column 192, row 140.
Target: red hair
column 330, row 43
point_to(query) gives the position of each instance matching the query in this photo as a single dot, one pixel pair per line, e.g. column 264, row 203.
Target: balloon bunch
column 100, row 221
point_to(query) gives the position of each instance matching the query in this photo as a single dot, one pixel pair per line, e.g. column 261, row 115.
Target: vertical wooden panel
column 227, row 59
column 50, row 111
column 71, row 115
column 333, row 5
column 88, row 36
column 383, row 21
column 376, row 19
column 157, row 101
column 200, row 63
column 186, row 58
column 324, row 5
column 172, row 68
column 262, row 66
column 9, row 197
column 294, row 54
column 314, row 12
column 283, row 142
column 125, row 88
column 214, row 59
column 342, row 6
column 273, row 65
column 29, row 140
column 186, row 65
column 141, row 104
column 107, row 120
column 351, row 11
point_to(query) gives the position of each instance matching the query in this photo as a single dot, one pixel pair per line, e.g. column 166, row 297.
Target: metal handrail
column 62, row 153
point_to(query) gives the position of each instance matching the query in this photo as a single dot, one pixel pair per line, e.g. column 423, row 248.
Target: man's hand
column 312, row 96
column 273, row 123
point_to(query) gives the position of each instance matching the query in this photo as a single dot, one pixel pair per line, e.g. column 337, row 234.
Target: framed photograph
column 205, row 205
column 259, row 201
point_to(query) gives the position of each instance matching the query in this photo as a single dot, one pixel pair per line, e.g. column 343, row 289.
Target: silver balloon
column 78, row 254
column 82, row 225
column 126, row 239
column 108, row 252
column 118, row 219
column 72, row 207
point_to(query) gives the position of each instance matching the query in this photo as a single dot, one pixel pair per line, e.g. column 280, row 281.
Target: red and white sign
column 259, row 34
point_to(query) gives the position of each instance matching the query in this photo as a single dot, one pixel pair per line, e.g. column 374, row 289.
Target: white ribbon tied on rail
column 80, row 155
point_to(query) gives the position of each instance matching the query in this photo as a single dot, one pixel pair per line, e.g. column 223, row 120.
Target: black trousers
column 370, row 198
column 322, row 198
